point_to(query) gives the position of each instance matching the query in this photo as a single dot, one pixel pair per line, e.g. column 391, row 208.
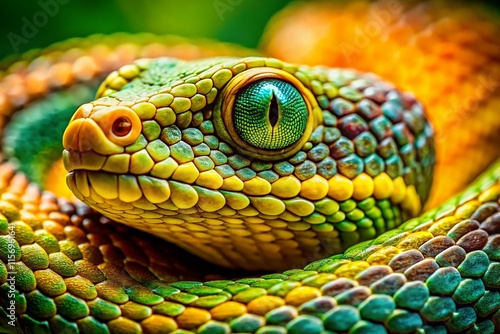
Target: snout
column 93, row 135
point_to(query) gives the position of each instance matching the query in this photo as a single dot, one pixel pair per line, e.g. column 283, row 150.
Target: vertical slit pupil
column 273, row 111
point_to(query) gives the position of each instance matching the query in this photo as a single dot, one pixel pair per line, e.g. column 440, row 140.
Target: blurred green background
column 25, row 24
column 238, row 21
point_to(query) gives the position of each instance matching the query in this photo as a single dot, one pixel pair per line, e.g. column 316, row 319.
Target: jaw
column 233, row 238
column 235, row 241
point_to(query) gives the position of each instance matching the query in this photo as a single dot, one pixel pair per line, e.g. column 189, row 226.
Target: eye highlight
column 270, row 114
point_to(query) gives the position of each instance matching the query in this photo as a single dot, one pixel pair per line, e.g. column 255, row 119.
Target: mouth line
column 86, row 160
column 124, row 187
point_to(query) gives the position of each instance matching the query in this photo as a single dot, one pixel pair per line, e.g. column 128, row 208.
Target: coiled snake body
column 247, row 163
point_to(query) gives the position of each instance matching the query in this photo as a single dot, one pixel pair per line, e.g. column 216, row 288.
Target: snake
column 208, row 188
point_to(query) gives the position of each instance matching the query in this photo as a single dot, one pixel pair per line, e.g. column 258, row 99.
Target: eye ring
column 224, row 111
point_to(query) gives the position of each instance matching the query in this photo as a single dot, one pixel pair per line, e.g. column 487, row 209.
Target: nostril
column 122, row 126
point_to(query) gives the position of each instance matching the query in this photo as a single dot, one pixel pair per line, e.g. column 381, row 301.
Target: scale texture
column 335, row 203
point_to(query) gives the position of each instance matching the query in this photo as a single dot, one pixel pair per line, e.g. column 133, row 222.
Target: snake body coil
column 247, row 163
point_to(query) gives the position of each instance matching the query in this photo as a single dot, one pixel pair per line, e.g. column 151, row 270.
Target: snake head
column 237, row 160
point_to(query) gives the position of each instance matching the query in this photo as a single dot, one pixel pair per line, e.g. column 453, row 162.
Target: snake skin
column 455, row 41
column 76, row 271
column 361, row 172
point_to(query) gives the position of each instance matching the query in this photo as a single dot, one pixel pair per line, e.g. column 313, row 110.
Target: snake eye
column 270, row 114
column 266, row 113
column 122, row 126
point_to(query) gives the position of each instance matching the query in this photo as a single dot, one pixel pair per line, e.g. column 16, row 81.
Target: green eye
column 266, row 113
column 270, row 114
